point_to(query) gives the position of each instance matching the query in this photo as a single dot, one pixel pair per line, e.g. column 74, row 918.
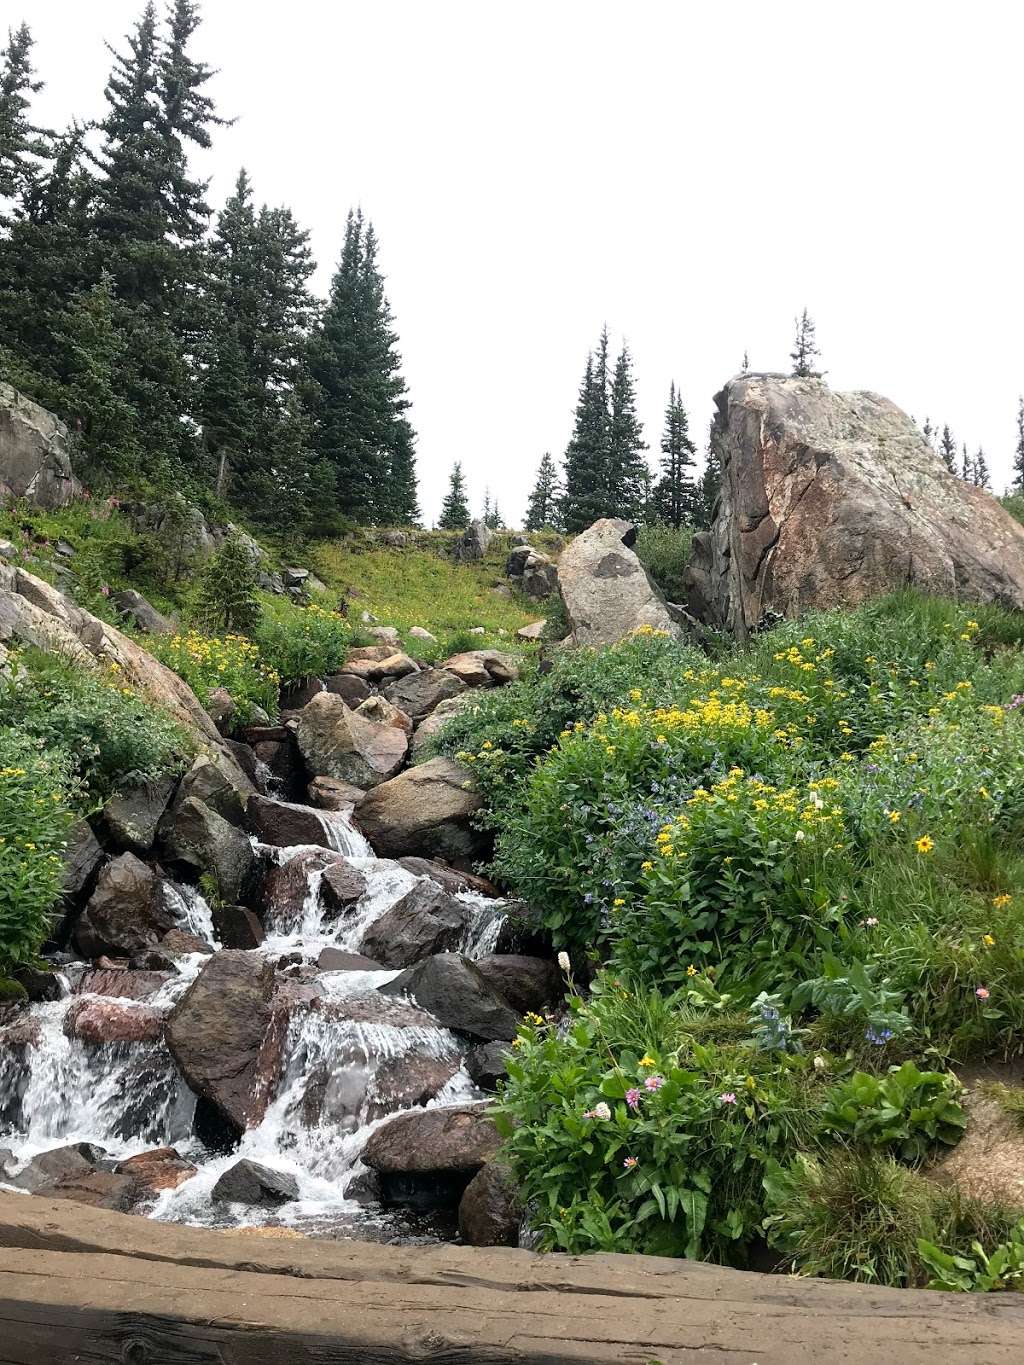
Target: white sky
column 691, row 173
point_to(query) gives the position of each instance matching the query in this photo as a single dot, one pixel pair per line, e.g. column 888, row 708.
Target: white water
column 128, row 1097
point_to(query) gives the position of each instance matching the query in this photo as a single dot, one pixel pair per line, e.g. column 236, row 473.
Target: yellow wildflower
column 925, row 844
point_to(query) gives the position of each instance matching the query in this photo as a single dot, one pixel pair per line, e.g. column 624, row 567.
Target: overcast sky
column 692, row 173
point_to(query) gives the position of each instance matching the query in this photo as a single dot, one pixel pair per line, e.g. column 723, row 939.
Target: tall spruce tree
column 628, row 474
column 1018, row 451
column 979, row 470
column 360, row 404
column 455, row 508
column 543, row 510
column 24, row 148
column 710, row 480
column 805, row 354
column 674, row 492
column 966, row 465
column 587, row 454
column 947, row 449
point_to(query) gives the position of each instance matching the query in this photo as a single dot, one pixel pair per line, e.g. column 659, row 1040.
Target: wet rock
column 383, row 712
column 473, row 543
column 140, row 613
column 126, row 913
column 442, row 713
column 330, row 793
column 364, row 1187
column 426, row 920
column 490, row 1210
column 336, row 960
column 348, row 687
column 285, row 823
column 284, row 763
column 606, row 590
column 459, row 1138
column 206, row 781
column 100, row 1022
column 39, row 984
column 181, row 943
column 341, row 886
column 82, row 856
column 220, row 707
column 336, row 742
column 287, row 885
column 336, row 1094
column 418, row 694
column 407, row 1082
column 215, row 1032
column 45, row 1169
column 196, row 835
column 450, row 878
column 246, row 759
column 124, row 985
column 486, row 1064
column 131, row 818
column 247, row 1182
column 162, row 1168
column 426, row 811
column 237, row 927
column 527, row 983
column 457, row 995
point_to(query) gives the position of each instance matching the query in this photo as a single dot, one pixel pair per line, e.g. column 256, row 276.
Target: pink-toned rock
column 160, row 1169
column 101, row 1021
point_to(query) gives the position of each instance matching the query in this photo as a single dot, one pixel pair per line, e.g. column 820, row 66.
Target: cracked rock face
column 831, row 498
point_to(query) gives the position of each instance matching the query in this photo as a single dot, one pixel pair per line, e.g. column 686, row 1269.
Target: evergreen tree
column 745, row 367
column 23, row 146
column 979, row 471
column 928, row 432
column 966, row 466
column 226, row 597
column 674, row 493
column 586, row 456
column 455, row 508
column 360, row 404
column 485, row 515
column 947, row 449
column 1018, row 453
column 710, row 481
column 628, row 475
column 805, row 354
column 544, row 507
column 496, row 520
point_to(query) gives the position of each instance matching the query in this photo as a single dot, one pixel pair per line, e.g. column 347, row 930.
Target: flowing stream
column 336, row 1081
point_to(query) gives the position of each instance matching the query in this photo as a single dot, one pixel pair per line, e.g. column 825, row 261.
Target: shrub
column 34, row 818
column 109, row 735
column 908, row 1111
column 658, row 1146
column 226, row 599
column 298, row 643
column 979, row 1272
column 231, row 662
column 665, row 552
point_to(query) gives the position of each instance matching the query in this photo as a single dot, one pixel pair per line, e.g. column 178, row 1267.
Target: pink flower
column 630, row 1162
column 981, row 993
column 654, row 1082
column 633, row 1098
column 727, row 1098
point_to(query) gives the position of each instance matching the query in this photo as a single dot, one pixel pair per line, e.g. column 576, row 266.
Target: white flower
column 820, row 1064
column 799, row 836
column 601, row 1111
column 563, row 961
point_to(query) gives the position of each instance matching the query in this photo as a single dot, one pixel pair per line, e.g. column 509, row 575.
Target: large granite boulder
column 127, row 913
column 420, row 693
column 458, row 1138
column 140, row 613
column 337, row 742
column 131, row 817
column 426, row 810
column 34, row 460
column 200, row 838
column 473, row 543
column 442, row 713
column 216, row 1030
column 426, row 920
column 458, row 996
column 828, row 499
column 606, row 590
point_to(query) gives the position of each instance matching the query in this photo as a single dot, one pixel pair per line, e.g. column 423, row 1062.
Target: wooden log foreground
column 80, row 1286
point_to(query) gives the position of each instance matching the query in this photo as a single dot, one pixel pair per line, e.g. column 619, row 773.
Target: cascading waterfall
column 127, row 1097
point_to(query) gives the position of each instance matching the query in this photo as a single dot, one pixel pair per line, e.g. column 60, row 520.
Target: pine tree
column 360, row 405
column 928, row 432
column 628, row 474
column 805, row 353
column 745, row 367
column 674, row 493
column 497, row 521
column 979, row 471
column 710, row 481
column 23, row 146
column 485, row 515
column 947, row 449
column 455, row 508
column 1018, row 453
column 226, row 596
column 544, row 507
column 966, row 466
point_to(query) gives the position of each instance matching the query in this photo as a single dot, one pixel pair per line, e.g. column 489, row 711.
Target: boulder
column 442, row 713
column 348, row 687
column 427, row 811
column 247, row 1182
column 828, row 499
column 207, row 782
column 606, row 590
column 101, row 1021
column 473, row 543
column 330, row 793
column 283, row 824
column 336, row 960
column 486, row 1064
column 383, row 712
column 97, row 1189
column 516, row 561
column 407, row 1081
column 140, row 613
column 197, row 836
column 469, row 669
column 450, row 878
column 220, row 707
column 426, row 920
column 288, row 884
column 33, row 613
column 124, row 985
column 490, row 1210
column 336, row 742
column 82, row 856
column 527, row 983
column 161, row 1168
column 237, row 927
column 34, row 461
column 39, row 983
column 215, row 1032
column 419, row 633
column 459, row 1138
column 418, row 694
column 539, row 578
column 283, row 763
column 387, row 635
column 177, row 943
column 46, row 1168
column 987, row 1164
column 457, row 995
column 394, row 665
column 341, row 886
column 131, row 817
column 533, row 631
column 126, row 914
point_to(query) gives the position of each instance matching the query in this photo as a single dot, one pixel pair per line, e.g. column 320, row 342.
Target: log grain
column 83, row 1286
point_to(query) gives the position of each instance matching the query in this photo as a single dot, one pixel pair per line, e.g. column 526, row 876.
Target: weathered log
column 85, row 1286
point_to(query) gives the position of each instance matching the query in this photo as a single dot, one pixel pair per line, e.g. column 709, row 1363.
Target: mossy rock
column 12, row 992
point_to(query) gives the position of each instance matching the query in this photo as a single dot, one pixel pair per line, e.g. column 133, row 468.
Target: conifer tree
column 628, row 475
column 495, row 520
column 23, row 146
column 928, row 432
column 674, row 493
column 586, row 456
column 745, row 367
column 805, row 354
column 966, row 466
column 226, row 596
column 455, row 508
column 979, row 470
column 710, row 481
column 947, row 449
column 544, row 507
column 1018, row 453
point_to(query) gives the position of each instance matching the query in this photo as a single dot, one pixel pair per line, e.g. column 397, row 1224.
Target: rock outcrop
column 606, row 590
column 828, row 499
column 336, row 742
column 34, row 460
column 458, row 996
column 426, row 810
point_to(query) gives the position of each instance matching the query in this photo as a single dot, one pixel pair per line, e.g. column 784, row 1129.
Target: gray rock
column 330, row 793
column 383, row 712
column 418, row 633
column 295, row 697
column 283, row 824
column 425, row 811
column 207, row 781
column 457, row 1138
column 34, row 460
column 473, row 543
column 490, row 1210
column 220, row 707
column 539, row 578
column 527, row 983
column 341, row 886
column 442, row 713
column 131, row 818
column 196, row 835
column 82, row 856
column 8, row 550
column 247, row 1182
column 140, row 613
column 606, row 590
column 457, row 995
column 335, row 742
column 387, row 635
column 533, row 631
column 408, row 1081
column 379, row 668
column 44, row 1170
column 336, row 960
column 237, row 927
column 426, row 920
column 486, row 1064
column 348, row 687
column 126, row 914
column 418, row 694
